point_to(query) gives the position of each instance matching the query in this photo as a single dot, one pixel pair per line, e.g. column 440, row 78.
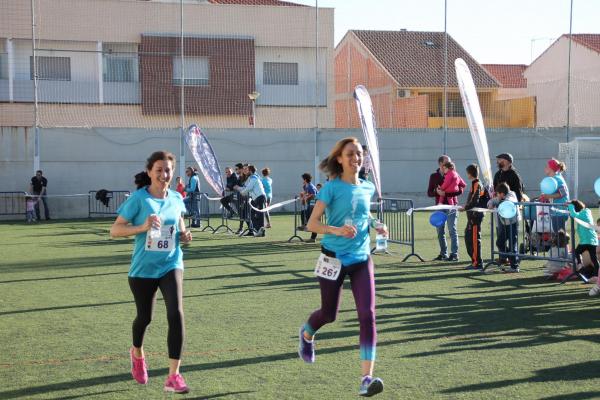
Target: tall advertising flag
column 475, row 119
column 205, row 157
column 367, row 122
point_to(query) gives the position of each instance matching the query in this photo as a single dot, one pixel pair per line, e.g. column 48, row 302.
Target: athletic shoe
column 440, row 257
column 594, row 291
column 268, row 226
column 511, row 270
column 474, row 267
column 306, row 349
column 453, row 257
column 139, row 371
column 301, row 228
column 249, row 233
column 260, row 232
column 370, row 386
column 176, row 384
column 311, row 240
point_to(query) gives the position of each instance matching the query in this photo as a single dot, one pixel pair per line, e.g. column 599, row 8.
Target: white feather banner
column 367, row 122
column 475, row 119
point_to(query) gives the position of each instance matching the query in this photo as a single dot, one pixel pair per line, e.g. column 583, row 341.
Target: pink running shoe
column 139, row 370
column 176, row 384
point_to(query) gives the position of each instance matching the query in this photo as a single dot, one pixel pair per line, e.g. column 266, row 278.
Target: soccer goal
column 582, row 157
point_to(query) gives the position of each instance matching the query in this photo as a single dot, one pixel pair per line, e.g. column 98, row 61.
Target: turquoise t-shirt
column 147, row 263
column 346, row 201
column 267, row 185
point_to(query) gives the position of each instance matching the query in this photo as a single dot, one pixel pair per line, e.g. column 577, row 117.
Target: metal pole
column 316, row 159
column 36, row 142
column 253, row 113
column 445, row 96
column 182, row 100
column 569, row 74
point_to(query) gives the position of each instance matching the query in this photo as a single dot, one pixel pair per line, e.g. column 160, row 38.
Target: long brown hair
column 330, row 164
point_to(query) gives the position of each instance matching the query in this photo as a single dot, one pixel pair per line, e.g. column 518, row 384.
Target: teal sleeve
column 130, row 208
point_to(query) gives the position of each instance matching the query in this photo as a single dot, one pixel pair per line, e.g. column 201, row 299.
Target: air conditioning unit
column 402, row 93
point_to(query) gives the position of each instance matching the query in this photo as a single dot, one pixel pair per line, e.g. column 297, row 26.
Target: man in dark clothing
column 38, row 187
column 435, row 181
column 508, row 174
column 232, row 180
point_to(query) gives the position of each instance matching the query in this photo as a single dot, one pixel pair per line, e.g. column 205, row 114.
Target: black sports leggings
column 144, row 293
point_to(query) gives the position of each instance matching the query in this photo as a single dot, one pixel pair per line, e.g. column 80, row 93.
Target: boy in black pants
column 477, row 196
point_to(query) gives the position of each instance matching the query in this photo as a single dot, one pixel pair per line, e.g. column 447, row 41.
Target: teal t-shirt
column 154, row 262
column 345, row 201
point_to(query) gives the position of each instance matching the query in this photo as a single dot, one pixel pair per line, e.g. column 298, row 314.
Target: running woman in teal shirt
column 154, row 215
column 345, row 252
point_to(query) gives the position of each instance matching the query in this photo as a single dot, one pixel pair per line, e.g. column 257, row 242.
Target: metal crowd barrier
column 299, row 211
column 537, row 235
column 12, row 203
column 401, row 226
column 239, row 203
column 106, row 202
column 199, row 210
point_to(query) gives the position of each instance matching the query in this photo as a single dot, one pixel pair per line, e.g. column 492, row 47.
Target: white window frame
column 274, row 74
column 49, row 73
column 197, row 71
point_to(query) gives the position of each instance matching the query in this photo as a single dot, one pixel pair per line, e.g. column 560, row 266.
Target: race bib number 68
column 328, row 267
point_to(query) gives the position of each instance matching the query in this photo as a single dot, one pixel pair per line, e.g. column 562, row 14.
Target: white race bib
column 165, row 242
column 328, row 267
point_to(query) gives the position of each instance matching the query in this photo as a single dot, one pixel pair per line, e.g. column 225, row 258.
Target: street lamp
column 253, row 96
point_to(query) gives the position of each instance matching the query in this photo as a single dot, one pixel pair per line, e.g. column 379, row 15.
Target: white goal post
column 582, row 158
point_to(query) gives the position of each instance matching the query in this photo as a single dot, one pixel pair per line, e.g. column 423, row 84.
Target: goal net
column 581, row 157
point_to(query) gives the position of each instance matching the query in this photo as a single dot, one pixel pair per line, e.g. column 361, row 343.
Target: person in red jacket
column 436, row 180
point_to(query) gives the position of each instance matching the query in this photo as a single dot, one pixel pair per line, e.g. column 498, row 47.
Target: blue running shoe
column 306, row 349
column 370, row 386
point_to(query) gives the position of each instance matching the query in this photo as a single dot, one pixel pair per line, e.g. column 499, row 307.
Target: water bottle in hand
column 154, row 231
column 380, row 238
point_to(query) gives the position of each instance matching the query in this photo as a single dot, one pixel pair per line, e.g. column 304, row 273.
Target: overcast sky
column 492, row 31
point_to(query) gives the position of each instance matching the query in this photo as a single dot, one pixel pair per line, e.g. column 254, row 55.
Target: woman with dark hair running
column 345, row 252
column 154, row 215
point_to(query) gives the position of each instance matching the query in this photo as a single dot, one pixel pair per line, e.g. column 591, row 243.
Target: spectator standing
column 307, row 198
column 180, row 187
column 268, row 186
column 231, row 180
column 253, row 187
column 554, row 169
column 473, row 230
column 508, row 228
column 436, row 180
column 38, row 187
column 191, row 201
column 508, row 174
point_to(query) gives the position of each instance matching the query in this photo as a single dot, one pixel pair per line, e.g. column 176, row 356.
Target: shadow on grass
column 110, row 379
column 572, row 372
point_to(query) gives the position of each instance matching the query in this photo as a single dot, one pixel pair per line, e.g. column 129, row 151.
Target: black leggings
column 588, row 271
column 144, row 293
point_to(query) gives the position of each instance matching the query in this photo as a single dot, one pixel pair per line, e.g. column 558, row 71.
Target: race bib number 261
column 328, row 267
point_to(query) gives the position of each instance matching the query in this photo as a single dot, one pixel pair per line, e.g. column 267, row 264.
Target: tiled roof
column 590, row 40
column 416, row 59
column 509, row 75
column 257, row 3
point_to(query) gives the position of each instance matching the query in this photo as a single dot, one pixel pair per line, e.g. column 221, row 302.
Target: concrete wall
column 79, row 160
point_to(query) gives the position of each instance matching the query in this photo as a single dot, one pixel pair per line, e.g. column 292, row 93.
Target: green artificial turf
column 443, row 332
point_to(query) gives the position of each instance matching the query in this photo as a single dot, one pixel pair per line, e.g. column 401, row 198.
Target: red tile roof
column 509, row 75
column 257, row 3
column 416, row 59
column 590, row 40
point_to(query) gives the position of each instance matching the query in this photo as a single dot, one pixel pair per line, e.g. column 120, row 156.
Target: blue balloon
column 548, row 185
column 507, row 209
column 438, row 218
column 597, row 186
